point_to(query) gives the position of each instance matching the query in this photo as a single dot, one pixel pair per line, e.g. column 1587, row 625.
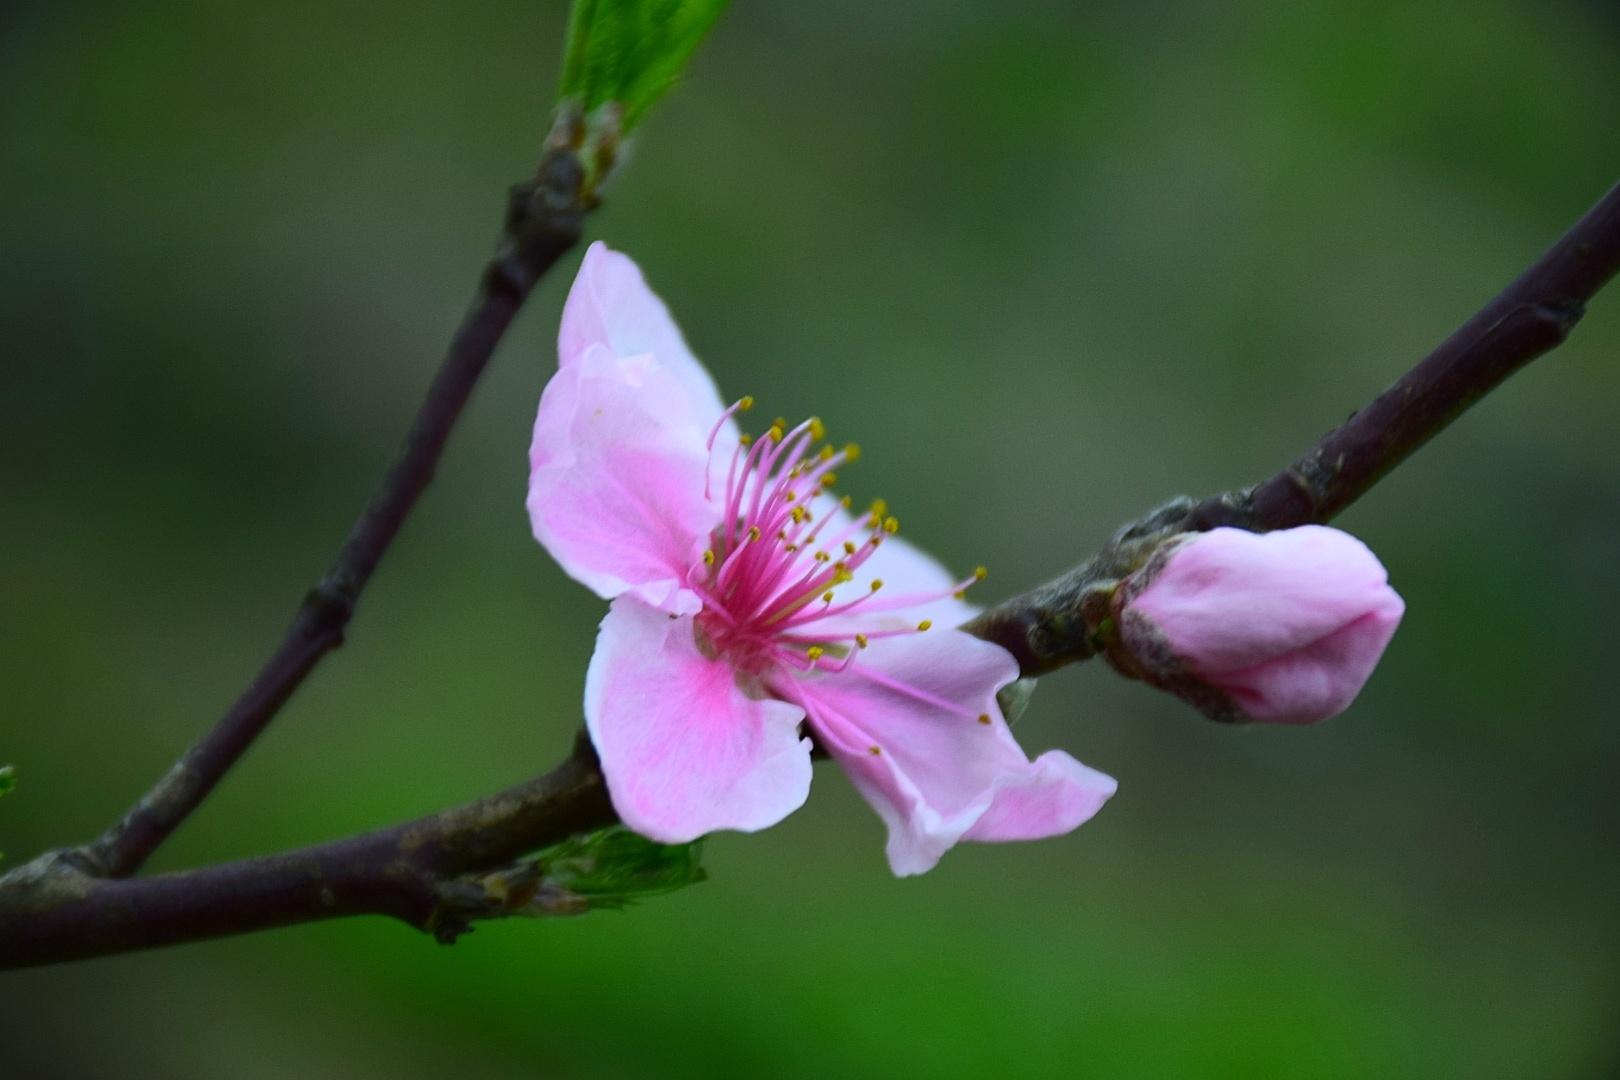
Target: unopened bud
column 1281, row 627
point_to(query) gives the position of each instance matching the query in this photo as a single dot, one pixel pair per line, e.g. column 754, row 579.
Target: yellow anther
column 852, row 452
column 842, row 576
column 960, row 594
column 791, row 497
column 781, row 534
column 781, row 422
column 984, row 718
column 891, row 525
column 860, row 639
column 799, row 514
column 849, row 547
column 979, row 573
column 874, row 751
column 826, row 597
column 814, row 652
column 877, row 583
column 925, row 624
column 745, row 403
column 844, row 502
column 822, row 556
column 746, row 439
column 753, row 532
column 818, row 430
column 708, row 558
column 825, row 453
column 776, row 432
column 791, row 548
column 880, row 507
column 828, row 479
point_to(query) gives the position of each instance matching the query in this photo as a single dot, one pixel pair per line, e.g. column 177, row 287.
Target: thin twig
column 544, row 220
column 1054, row 624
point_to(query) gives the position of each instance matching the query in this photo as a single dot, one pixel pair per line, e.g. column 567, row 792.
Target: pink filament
column 763, row 587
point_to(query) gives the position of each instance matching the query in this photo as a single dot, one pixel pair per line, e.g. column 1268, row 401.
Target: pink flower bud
column 1280, row 627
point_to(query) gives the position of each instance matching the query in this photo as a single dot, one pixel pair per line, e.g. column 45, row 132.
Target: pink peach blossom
column 748, row 602
column 1281, row 627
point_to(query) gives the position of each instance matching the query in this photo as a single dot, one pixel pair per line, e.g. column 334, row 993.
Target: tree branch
column 1054, row 624
column 440, row 871
column 428, row 873
column 545, row 217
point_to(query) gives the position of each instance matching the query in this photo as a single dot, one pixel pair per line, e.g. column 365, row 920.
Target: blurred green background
column 1050, row 263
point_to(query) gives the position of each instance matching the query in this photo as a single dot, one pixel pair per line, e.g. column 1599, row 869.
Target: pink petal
column 610, row 305
column 1320, row 680
column 616, row 482
column 1229, row 599
column 684, row 749
column 937, row 774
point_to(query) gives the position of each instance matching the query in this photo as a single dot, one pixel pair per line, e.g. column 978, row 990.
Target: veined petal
column 685, row 751
column 915, row 724
column 616, row 480
column 610, row 305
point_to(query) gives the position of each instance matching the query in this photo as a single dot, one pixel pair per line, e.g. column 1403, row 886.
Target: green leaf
column 630, row 52
column 615, row 867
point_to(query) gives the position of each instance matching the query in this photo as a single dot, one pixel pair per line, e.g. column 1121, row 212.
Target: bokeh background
column 1050, row 264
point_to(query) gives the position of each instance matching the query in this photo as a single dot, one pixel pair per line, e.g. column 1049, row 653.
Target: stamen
column 742, row 404
column 762, row 593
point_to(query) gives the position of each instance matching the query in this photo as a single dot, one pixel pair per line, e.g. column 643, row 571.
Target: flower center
column 781, row 581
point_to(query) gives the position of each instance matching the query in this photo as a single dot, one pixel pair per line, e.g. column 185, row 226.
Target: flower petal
column 1318, row 680
column 616, row 481
column 1228, row 599
column 905, row 723
column 610, row 305
column 685, row 751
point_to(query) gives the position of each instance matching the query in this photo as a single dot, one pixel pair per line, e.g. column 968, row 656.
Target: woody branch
column 439, row 872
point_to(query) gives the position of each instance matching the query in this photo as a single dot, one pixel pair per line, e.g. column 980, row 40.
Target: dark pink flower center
column 779, row 581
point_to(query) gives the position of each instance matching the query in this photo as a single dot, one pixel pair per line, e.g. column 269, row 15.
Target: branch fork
column 442, row 872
